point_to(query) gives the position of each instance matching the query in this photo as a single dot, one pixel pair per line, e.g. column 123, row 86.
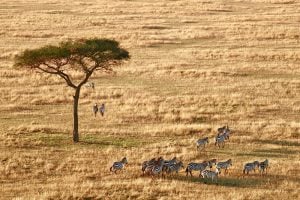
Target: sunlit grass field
column 195, row 66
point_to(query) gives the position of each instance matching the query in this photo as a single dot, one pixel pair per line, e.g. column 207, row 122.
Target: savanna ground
column 196, row 65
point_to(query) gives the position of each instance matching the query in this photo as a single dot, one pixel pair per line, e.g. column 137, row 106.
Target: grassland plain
column 196, row 65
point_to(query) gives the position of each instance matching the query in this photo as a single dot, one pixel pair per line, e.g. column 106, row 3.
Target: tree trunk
column 75, row 115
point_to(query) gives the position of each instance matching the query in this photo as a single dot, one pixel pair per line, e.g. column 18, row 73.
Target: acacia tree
column 85, row 56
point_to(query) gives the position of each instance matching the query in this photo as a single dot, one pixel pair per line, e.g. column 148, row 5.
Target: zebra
column 210, row 174
column 118, row 165
column 224, row 165
column 263, row 166
column 157, row 168
column 220, row 141
column 195, row 167
column 202, row 143
column 224, row 131
column 95, row 109
column 174, row 167
column 168, row 163
column 212, row 162
column 250, row 167
column 147, row 163
column 102, row 109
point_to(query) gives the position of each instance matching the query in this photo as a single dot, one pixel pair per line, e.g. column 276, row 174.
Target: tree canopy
column 84, row 56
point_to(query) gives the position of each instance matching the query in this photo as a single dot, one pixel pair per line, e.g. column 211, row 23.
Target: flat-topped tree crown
column 84, row 55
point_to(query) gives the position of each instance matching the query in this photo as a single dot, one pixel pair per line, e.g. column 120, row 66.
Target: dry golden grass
column 196, row 65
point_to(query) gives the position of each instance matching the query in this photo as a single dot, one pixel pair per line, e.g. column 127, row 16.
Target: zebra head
column 229, row 162
column 124, row 160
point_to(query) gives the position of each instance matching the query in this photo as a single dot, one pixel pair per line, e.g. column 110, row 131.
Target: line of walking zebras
column 160, row 167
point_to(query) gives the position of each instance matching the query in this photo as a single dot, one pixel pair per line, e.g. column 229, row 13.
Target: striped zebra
column 95, row 109
column 248, row 167
column 220, row 141
column 210, row 174
column 156, row 169
column 201, row 143
column 195, row 167
column 118, row 165
column 263, row 166
column 224, row 165
column 147, row 163
column 168, row 163
column 174, row 167
column 224, row 131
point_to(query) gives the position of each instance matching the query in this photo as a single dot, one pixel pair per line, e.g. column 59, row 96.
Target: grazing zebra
column 248, row 167
column 174, row 167
column 95, row 109
column 118, row 165
column 263, row 166
column 195, row 167
column 224, row 165
column 220, row 141
column 210, row 174
column 202, row 143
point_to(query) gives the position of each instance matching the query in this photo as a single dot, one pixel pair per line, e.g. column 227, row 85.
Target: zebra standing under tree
column 102, row 109
column 117, row 166
column 95, row 109
column 202, row 143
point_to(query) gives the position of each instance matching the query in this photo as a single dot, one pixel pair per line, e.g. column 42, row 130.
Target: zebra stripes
column 248, row 167
column 195, row 167
column 224, row 165
column 263, row 166
column 210, row 174
column 174, row 167
column 220, row 141
column 201, row 143
column 117, row 166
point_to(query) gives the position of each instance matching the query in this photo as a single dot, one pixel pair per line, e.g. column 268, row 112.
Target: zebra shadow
column 222, row 181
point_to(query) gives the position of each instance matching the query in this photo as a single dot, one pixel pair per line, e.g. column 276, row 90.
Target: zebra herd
column 159, row 166
column 222, row 136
